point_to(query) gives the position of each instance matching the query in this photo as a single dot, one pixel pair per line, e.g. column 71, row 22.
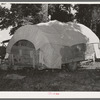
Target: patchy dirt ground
column 48, row 80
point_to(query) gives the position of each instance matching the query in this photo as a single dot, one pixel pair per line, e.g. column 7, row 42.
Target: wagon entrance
column 24, row 53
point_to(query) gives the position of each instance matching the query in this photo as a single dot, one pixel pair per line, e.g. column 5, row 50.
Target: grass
column 48, row 80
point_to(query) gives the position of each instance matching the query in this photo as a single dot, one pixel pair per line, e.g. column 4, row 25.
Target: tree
column 84, row 14
column 45, row 12
column 89, row 15
column 60, row 12
column 21, row 14
column 4, row 18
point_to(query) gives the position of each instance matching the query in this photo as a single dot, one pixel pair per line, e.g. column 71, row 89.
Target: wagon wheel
column 73, row 66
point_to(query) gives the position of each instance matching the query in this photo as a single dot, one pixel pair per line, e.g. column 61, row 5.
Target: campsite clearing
column 51, row 80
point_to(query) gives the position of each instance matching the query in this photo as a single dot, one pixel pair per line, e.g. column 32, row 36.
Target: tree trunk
column 45, row 12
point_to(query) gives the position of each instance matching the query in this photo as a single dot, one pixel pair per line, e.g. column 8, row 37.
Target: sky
column 4, row 34
column 7, row 5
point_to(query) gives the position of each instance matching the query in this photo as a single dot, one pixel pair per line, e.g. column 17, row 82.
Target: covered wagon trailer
column 52, row 44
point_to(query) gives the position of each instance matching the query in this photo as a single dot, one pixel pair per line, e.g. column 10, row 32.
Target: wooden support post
column 11, row 59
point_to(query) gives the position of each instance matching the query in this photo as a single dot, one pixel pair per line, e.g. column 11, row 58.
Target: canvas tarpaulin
column 51, row 37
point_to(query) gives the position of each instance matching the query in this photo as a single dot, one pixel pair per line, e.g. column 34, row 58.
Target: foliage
column 4, row 18
column 61, row 12
column 20, row 14
column 89, row 15
column 84, row 13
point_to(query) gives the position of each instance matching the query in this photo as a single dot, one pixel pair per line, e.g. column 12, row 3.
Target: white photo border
column 49, row 94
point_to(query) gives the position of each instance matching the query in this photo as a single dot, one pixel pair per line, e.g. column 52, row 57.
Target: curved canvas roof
column 55, row 32
column 85, row 31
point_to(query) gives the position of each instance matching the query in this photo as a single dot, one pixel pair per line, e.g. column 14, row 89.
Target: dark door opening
column 24, row 53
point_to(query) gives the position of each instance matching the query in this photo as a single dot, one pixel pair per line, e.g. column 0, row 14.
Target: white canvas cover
column 50, row 37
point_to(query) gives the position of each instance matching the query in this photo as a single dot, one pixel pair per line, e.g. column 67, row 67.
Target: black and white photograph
column 49, row 47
